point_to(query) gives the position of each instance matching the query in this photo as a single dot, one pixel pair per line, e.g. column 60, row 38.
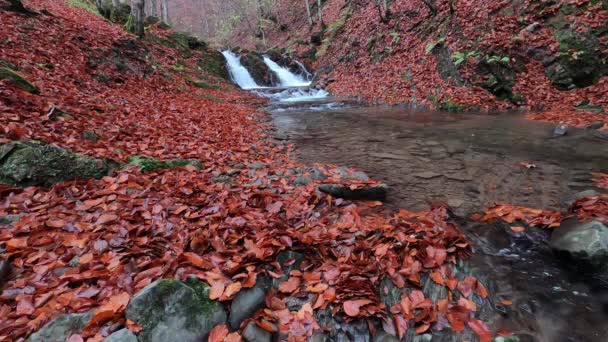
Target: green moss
column 332, row 31
column 17, row 80
column 150, row 164
column 29, row 164
column 455, row 107
column 214, row 63
column 85, row 4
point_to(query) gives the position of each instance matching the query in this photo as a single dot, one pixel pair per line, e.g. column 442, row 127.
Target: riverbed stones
column 61, row 328
column 585, row 241
column 175, row 310
column 247, row 302
column 253, row 333
column 35, row 164
column 560, row 131
column 595, row 125
column 568, row 201
column 122, row 335
column 365, row 193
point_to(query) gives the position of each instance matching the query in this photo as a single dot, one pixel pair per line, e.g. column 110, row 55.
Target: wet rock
column 586, row 241
column 569, row 200
column 279, row 136
column 253, row 333
column 122, row 335
column 33, row 164
column 303, row 180
column 560, row 131
column 383, row 336
column 62, row 327
column 319, row 337
column 17, row 80
column 248, row 301
column 595, row 125
column 365, row 193
column 289, row 261
column 174, row 310
column 388, row 156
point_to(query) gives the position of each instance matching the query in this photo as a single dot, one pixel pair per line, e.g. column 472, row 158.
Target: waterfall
column 286, row 77
column 238, row 72
column 303, row 69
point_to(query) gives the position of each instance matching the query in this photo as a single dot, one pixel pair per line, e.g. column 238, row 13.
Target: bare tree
column 137, row 17
column 320, row 12
column 308, row 12
column 164, row 12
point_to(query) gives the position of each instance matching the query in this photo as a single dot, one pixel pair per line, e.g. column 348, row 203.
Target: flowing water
column 238, row 73
column 286, row 77
column 471, row 161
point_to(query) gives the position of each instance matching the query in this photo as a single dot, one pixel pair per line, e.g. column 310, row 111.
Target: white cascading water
column 238, row 72
column 286, row 77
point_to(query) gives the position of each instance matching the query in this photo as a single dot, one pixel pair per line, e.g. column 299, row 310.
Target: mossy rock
column 175, row 310
column 454, row 107
column 259, row 71
column 580, row 62
column 34, row 164
column 200, row 84
column 150, row 164
column 214, row 63
column 185, row 42
column 61, row 328
column 17, row 80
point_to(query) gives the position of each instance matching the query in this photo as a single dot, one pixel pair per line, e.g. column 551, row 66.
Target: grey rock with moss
column 61, row 328
column 18, row 80
column 34, row 164
column 586, row 241
column 147, row 164
column 175, row 310
column 122, row 335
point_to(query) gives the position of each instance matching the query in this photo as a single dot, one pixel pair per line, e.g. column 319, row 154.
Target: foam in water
column 238, row 72
column 286, row 77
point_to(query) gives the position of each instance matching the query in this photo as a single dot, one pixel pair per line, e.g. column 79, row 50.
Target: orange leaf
column 351, row 307
column 218, row 333
column 481, row 329
column 292, row 284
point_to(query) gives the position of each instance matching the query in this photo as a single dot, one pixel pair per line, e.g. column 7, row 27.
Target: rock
column 150, row 164
column 122, row 335
column 90, row 135
column 533, row 27
column 253, row 333
column 256, row 166
column 568, row 201
column 560, row 131
column 174, row 310
column 303, row 180
column 18, row 81
column 455, row 202
column 365, row 193
column 428, row 175
column 595, row 125
column 289, row 261
column 279, row 136
column 383, row 336
column 247, row 302
column 586, row 241
column 318, row 337
column 62, row 327
column 33, row 164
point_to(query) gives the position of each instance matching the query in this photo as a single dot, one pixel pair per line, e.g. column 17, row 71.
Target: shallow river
column 471, row 161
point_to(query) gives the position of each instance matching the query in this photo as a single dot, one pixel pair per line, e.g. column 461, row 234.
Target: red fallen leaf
column 115, row 305
column 286, row 240
column 217, row 289
column 457, row 316
column 55, row 223
column 25, row 306
column 274, row 207
column 106, row 218
column 481, row 290
column 422, row 328
column 351, row 307
column 218, row 333
column 467, row 285
column 400, row 325
column 16, row 243
column 233, row 337
column 75, row 338
column 438, row 278
column 317, row 288
column 266, row 325
column 191, row 168
column 481, row 329
column 231, row 290
column 406, row 305
column 289, row 286
column 194, row 259
column 504, row 332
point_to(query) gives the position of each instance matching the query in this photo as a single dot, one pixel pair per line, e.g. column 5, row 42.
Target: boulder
column 568, row 201
column 587, row 241
column 253, row 333
column 122, row 335
column 17, row 80
column 365, row 193
column 247, row 302
column 175, row 310
column 62, row 327
column 595, row 125
column 34, row 164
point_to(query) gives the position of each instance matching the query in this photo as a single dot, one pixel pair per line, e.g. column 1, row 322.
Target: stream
column 469, row 161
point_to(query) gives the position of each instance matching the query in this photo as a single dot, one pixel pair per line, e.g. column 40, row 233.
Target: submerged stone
column 174, row 310
column 34, row 164
column 61, row 328
column 122, row 335
column 586, row 241
column 560, row 131
column 17, row 80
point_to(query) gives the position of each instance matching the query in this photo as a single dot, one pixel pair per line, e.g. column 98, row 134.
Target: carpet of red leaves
column 93, row 244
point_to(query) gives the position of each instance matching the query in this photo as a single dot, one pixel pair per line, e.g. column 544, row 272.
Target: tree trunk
column 164, row 12
column 308, row 12
column 320, row 12
column 137, row 13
